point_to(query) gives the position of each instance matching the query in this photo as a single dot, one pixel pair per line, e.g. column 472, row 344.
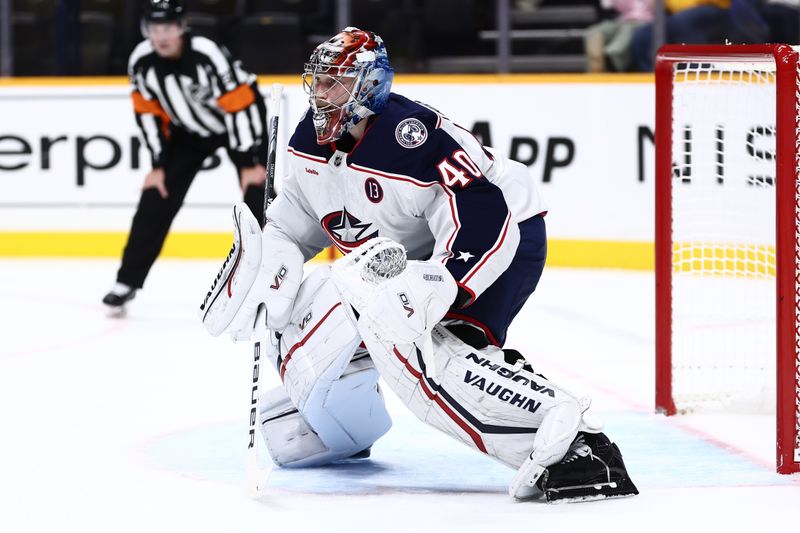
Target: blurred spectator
column 689, row 22
column 783, row 19
column 607, row 43
column 748, row 24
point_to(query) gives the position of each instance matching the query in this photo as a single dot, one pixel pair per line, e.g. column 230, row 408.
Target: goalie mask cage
column 727, row 219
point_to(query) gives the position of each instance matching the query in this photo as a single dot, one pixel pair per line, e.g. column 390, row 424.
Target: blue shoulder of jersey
column 405, row 139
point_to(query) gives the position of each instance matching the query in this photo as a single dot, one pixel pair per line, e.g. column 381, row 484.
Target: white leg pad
column 475, row 395
column 559, row 428
column 289, row 438
column 340, row 410
column 349, row 415
column 350, row 419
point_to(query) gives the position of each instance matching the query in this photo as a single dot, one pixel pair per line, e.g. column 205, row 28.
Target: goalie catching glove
column 261, row 269
column 402, row 300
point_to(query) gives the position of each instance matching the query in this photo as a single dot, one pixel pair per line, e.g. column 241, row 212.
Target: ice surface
column 140, row 424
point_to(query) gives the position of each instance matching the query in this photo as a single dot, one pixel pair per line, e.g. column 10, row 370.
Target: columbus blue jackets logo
column 347, row 231
column 411, row 133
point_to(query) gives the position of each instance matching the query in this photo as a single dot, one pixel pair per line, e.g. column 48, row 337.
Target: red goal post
column 695, row 266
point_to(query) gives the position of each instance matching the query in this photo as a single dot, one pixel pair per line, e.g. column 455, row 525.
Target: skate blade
column 116, row 312
column 588, row 493
column 587, row 498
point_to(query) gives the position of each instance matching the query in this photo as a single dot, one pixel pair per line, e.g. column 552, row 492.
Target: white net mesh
column 723, row 233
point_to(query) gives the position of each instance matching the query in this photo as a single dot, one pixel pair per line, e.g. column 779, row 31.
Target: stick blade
column 256, row 479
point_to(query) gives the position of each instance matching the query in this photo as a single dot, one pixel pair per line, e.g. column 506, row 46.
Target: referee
column 190, row 98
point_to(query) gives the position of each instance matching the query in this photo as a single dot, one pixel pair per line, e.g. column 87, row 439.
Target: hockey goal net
column 727, row 239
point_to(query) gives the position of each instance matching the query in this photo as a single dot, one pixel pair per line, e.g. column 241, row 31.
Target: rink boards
column 71, row 162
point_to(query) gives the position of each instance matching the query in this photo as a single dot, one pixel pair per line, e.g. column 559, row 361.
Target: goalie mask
column 347, row 79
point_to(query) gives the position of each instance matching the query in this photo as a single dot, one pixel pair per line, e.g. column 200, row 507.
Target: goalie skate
column 592, row 470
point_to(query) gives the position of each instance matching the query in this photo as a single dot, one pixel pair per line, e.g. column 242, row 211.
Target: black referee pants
column 154, row 214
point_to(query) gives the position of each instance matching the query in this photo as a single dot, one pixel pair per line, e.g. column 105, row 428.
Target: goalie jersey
column 416, row 178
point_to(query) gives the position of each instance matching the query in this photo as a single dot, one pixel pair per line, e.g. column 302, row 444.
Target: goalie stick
column 256, row 477
column 269, row 188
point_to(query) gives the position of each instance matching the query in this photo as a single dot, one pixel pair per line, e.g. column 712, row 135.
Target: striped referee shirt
column 205, row 93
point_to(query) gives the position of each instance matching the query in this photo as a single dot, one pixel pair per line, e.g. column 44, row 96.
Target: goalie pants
column 494, row 310
column 154, row 214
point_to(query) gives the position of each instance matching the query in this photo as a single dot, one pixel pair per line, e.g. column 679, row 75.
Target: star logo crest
column 349, row 229
column 464, row 256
